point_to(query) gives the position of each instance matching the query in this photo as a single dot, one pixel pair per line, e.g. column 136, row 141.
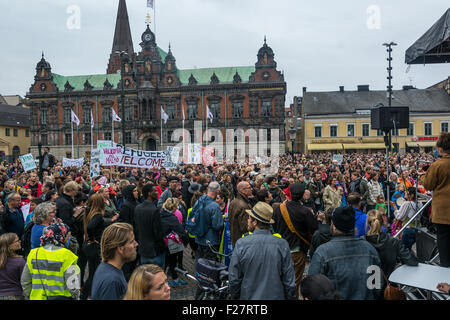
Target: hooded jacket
column 390, row 251
column 127, row 209
column 170, row 223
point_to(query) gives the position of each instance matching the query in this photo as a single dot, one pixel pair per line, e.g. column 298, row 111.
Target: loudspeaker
column 385, row 118
column 426, row 245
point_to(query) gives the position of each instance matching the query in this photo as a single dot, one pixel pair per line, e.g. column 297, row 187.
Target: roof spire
column 265, row 39
column 122, row 35
column 42, row 54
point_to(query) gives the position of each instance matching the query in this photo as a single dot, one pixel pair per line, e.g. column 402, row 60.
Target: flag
column 115, row 117
column 150, row 4
column 75, row 118
column 209, row 115
column 164, row 115
column 92, row 120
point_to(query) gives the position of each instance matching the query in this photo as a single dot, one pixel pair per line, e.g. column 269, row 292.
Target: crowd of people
column 122, row 234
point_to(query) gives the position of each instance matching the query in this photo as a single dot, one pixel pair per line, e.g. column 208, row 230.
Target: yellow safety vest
column 188, row 213
column 47, row 270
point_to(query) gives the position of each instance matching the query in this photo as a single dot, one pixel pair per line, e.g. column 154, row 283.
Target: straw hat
column 263, row 212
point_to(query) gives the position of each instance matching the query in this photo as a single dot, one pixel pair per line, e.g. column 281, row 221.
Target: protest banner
column 28, row 162
column 105, row 144
column 72, row 162
column 94, row 170
column 172, row 156
column 194, row 153
column 208, row 156
column 339, row 158
column 127, row 157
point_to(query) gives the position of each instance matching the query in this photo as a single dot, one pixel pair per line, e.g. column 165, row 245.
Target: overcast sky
column 320, row 45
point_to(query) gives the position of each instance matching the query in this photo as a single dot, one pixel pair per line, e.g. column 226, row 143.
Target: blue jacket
column 360, row 222
column 349, row 262
column 214, row 221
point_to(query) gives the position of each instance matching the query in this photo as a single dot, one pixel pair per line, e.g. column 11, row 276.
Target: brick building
column 238, row 97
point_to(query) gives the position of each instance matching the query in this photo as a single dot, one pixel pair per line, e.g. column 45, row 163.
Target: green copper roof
column 225, row 74
column 77, row 82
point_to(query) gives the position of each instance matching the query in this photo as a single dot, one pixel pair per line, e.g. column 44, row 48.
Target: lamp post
column 292, row 136
column 387, row 138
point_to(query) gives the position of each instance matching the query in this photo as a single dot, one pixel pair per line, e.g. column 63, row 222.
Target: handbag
column 392, row 293
column 174, row 243
column 288, row 221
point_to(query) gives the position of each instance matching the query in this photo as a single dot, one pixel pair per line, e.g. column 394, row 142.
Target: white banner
column 194, row 153
column 95, row 163
column 127, row 157
column 72, row 162
column 28, row 162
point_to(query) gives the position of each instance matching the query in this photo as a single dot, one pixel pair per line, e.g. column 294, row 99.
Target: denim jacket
column 345, row 260
column 214, row 219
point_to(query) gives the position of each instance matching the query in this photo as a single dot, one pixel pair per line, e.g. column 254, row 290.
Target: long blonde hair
column 374, row 222
column 171, row 204
column 6, row 240
column 96, row 205
column 141, row 281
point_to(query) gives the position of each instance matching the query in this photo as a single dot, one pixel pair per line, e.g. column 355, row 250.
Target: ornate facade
column 238, row 97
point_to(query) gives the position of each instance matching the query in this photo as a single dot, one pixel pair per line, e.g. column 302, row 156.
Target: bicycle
column 211, row 278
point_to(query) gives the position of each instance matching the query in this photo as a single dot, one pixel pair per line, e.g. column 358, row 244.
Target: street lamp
column 292, row 135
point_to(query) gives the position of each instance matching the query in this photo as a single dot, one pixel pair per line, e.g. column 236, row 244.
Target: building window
column 68, row 139
column 380, row 133
column 395, row 132
column 318, row 131
column 87, row 138
column 428, row 128
column 107, row 136
column 7, row 132
column 350, row 130
column 444, row 126
column 169, row 136
column 67, row 115
column 106, row 114
column 215, row 110
column 171, row 111
column 366, row 130
column 86, row 115
column 410, row 130
column 27, row 133
column 44, row 139
column 237, row 110
column 128, row 113
column 15, row 132
column 44, row 116
column 127, row 137
column 333, row 130
column 192, row 111
column 266, row 109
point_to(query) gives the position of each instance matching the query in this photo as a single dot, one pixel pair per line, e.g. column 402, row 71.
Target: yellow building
column 340, row 121
column 14, row 131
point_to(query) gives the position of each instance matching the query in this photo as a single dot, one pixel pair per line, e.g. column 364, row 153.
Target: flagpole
column 161, row 126
column 112, row 137
column 71, row 122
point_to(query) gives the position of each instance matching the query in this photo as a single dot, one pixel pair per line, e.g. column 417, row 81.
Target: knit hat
column 55, row 234
column 344, row 218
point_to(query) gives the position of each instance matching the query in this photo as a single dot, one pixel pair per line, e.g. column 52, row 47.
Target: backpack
column 196, row 225
column 26, row 238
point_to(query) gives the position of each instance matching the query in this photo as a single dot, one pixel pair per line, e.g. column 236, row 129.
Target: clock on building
column 148, row 37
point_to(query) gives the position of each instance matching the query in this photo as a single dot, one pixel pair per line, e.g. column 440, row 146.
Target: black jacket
column 321, row 236
column 302, row 219
column 149, row 233
column 127, row 210
column 95, row 228
column 64, row 210
column 390, row 251
column 169, row 223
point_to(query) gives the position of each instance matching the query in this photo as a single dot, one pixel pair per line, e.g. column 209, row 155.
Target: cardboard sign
column 28, row 162
column 72, row 162
column 194, row 153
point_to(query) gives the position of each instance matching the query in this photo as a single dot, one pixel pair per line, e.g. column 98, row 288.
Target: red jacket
column 39, row 189
column 287, row 191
